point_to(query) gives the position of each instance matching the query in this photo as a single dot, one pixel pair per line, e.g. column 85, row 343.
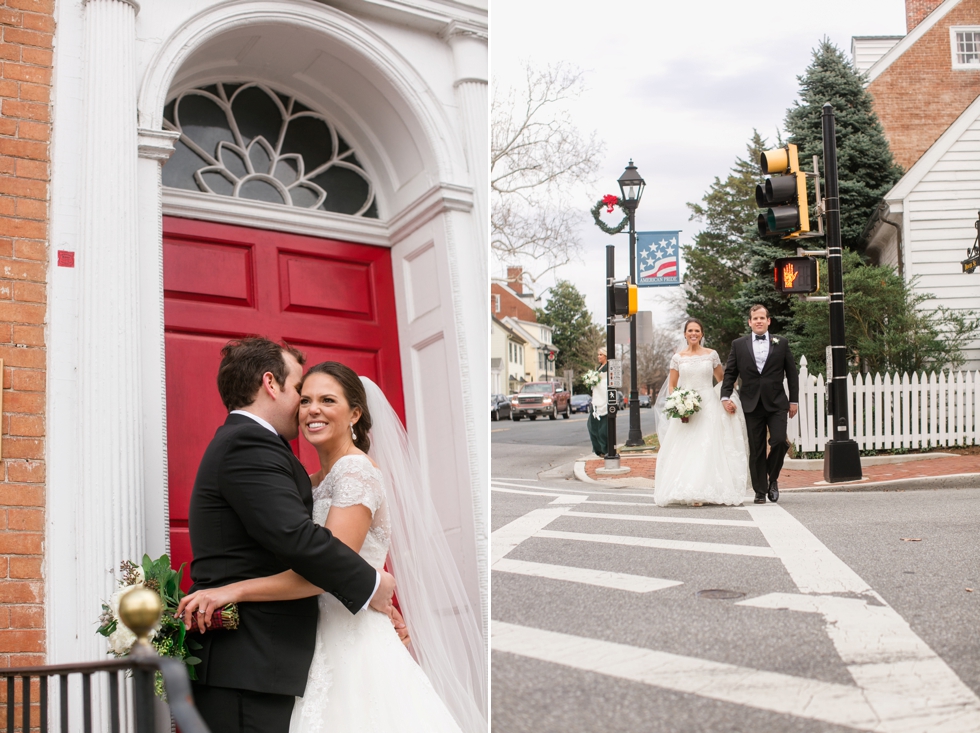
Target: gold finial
column 140, row 609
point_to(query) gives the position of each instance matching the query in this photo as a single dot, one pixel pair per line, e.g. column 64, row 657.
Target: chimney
column 515, row 279
column 917, row 10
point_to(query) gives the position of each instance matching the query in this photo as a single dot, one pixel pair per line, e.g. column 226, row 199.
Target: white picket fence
column 892, row 411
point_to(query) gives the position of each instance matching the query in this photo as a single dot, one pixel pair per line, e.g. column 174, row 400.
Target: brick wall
column 27, row 28
column 917, row 10
column 510, row 305
column 920, row 94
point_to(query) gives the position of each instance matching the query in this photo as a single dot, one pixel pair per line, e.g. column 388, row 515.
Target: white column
column 469, row 46
column 155, row 149
column 110, row 472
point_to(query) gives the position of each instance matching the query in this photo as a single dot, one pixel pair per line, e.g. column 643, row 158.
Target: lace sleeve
column 358, row 483
column 675, row 363
column 715, row 359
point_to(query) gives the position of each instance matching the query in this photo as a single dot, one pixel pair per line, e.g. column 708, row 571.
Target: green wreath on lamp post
column 609, row 201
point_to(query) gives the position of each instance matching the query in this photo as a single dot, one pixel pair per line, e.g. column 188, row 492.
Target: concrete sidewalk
column 881, row 473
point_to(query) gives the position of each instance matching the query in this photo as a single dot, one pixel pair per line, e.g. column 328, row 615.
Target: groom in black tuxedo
column 250, row 517
column 762, row 361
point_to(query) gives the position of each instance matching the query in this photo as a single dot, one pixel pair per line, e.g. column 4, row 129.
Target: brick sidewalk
column 645, row 467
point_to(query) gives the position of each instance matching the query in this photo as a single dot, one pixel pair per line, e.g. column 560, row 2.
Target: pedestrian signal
column 796, row 275
column 625, row 300
column 782, row 195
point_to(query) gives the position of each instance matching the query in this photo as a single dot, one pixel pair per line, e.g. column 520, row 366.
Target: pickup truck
column 541, row 398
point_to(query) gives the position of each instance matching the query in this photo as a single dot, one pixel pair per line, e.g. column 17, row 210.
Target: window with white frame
column 965, row 46
column 496, row 302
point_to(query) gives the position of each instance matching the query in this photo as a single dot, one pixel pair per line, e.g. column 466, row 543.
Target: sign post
column 612, row 457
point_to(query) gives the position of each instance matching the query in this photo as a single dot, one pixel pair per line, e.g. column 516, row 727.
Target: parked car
column 499, row 407
column 541, row 398
column 645, row 401
column 581, row 402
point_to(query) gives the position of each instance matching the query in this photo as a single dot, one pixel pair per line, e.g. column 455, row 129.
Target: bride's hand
column 198, row 607
column 400, row 628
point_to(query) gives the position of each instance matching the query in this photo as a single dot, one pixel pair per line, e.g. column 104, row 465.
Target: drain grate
column 719, row 594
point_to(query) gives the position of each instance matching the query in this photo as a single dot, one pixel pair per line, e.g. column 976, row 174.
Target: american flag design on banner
column 657, row 256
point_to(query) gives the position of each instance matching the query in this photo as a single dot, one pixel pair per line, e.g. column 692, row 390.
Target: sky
column 676, row 86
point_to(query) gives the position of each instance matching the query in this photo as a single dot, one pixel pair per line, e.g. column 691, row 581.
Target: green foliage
column 888, row 327
column 719, row 263
column 866, row 169
column 573, row 331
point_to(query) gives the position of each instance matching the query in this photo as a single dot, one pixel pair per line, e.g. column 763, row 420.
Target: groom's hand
column 792, row 411
column 381, row 600
column 729, row 406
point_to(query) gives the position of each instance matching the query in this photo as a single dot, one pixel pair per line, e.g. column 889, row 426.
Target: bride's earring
column 352, row 435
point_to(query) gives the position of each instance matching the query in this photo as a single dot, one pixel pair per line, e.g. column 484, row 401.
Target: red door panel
column 333, row 300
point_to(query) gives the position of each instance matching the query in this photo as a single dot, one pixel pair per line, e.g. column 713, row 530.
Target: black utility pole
column 841, row 458
column 612, row 458
column 635, row 436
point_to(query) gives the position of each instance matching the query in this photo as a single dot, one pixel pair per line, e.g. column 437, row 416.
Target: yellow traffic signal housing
column 782, row 195
column 625, row 299
column 796, row 275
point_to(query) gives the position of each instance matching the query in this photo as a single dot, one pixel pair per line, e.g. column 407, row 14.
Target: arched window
column 251, row 142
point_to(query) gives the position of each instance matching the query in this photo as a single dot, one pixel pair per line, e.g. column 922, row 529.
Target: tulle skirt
column 363, row 680
column 705, row 459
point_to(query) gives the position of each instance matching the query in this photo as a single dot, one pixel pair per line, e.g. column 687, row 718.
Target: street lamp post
column 631, row 186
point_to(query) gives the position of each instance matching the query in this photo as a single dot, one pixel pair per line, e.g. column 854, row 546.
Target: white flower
column 121, row 640
column 775, row 340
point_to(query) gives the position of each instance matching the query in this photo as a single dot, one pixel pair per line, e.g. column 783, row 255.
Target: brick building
column 190, row 171
column 27, row 28
column 925, row 88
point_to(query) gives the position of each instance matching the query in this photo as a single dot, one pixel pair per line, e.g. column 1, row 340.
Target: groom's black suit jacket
column 250, row 517
column 765, row 388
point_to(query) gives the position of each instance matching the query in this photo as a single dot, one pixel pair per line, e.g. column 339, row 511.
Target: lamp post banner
column 657, row 258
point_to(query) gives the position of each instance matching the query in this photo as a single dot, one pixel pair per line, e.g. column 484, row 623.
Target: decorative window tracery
column 251, row 142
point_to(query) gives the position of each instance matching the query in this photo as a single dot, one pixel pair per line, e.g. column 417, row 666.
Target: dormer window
column 965, row 46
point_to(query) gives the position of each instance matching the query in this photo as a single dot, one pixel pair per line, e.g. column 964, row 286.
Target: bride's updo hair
column 353, row 393
column 689, row 321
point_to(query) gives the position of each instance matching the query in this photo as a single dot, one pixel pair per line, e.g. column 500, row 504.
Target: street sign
column 615, row 373
column 970, row 264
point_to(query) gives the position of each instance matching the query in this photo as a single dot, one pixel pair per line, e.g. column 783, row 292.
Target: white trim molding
column 157, row 144
column 954, row 46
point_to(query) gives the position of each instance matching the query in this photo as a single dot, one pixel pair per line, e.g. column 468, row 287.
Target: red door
column 333, row 300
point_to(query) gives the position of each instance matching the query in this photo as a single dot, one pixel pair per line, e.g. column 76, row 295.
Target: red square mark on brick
column 66, row 258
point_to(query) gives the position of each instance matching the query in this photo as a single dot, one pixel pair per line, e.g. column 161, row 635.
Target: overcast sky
column 676, row 86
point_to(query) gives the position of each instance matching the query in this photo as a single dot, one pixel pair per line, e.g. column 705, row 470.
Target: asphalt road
column 841, row 611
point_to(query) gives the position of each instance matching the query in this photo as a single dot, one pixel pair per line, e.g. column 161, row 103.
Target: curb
column 816, row 464
column 924, row 483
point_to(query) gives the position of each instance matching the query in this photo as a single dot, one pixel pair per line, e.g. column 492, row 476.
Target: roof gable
column 910, row 40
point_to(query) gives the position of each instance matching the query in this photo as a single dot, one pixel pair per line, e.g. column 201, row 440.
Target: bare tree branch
column 536, row 154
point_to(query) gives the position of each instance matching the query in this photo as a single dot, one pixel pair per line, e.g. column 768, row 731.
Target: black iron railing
column 43, row 689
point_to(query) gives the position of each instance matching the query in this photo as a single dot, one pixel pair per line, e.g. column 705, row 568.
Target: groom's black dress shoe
column 760, row 498
column 773, row 491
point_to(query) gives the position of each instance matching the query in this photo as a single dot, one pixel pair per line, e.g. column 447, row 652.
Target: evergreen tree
column 573, row 331
column 866, row 169
column 761, row 288
column 718, row 263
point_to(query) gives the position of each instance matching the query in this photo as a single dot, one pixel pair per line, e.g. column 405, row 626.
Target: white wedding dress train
column 362, row 678
column 704, row 460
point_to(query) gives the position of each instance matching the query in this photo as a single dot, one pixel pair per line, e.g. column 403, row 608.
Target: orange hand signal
column 789, row 275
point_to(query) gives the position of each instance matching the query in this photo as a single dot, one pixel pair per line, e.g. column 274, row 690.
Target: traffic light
column 624, row 299
column 782, row 195
column 796, row 275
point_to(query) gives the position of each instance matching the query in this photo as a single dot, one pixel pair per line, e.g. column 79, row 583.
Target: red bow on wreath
column 610, row 201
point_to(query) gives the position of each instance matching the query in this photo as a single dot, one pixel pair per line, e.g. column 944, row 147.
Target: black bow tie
column 760, row 338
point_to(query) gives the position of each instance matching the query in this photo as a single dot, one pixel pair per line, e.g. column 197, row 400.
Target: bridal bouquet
column 170, row 637
column 591, row 378
column 682, row 403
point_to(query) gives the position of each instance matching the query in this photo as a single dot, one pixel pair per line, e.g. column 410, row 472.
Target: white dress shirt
column 760, row 347
column 267, row 426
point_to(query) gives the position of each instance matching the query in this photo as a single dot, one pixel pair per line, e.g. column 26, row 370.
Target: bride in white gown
column 363, row 679
column 705, row 460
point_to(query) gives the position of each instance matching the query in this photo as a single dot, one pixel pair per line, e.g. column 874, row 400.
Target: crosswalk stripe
column 524, row 492
column 509, row 536
column 780, row 693
column 588, row 576
column 666, row 520
column 684, row 545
